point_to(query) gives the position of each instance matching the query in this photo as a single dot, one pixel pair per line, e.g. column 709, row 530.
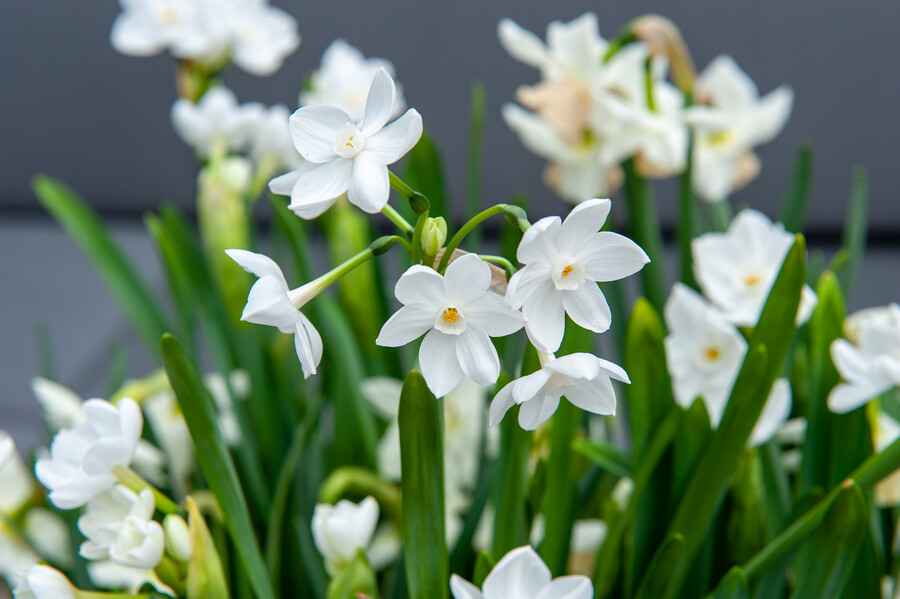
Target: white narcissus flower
column 348, row 156
column 870, row 367
column 736, row 269
column 147, row 27
column 119, row 525
column 272, row 303
column 343, row 80
column 458, row 314
column 729, row 123
column 340, row 530
column 563, row 263
column 261, row 36
column 42, row 582
column 217, row 120
column 584, row 379
column 521, row 574
column 82, row 458
column 704, row 353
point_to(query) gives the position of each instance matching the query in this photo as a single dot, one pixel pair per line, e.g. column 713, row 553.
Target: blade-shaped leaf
column 733, row 586
column 855, row 223
column 796, row 199
column 604, row 455
column 664, row 563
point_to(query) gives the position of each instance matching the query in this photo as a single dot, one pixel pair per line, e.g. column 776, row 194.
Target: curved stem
column 466, row 228
column 501, row 261
column 129, row 478
column 397, row 218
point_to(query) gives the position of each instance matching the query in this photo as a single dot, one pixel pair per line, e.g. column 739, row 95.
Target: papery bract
column 563, row 263
column 458, row 314
column 348, row 156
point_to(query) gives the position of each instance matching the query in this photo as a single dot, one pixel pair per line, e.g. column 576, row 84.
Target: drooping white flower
column 583, row 378
column 736, row 269
column 522, row 574
column 119, row 525
column 82, row 458
column 271, row 140
column 731, row 120
column 216, row 120
column 42, row 582
column 271, row 303
column 563, row 263
column 458, row 314
column 343, row 80
column 348, row 156
column 870, row 367
column 340, row 530
column 704, row 353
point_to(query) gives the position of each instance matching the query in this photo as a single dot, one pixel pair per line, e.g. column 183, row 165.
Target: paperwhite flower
column 583, row 378
column 147, row 27
column 217, row 120
column 271, row 140
column 260, row 36
column 340, row 530
column 42, row 582
column 521, row 574
column 82, row 458
column 271, row 303
column 119, row 525
column 736, row 269
column 16, row 484
column 348, row 156
column 563, row 263
column 344, row 78
column 732, row 122
column 704, row 353
column 869, row 368
column 459, row 314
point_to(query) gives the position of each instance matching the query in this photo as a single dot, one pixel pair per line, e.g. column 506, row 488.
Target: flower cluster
column 256, row 36
column 601, row 102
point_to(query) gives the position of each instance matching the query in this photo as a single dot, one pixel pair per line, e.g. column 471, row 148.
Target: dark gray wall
column 71, row 106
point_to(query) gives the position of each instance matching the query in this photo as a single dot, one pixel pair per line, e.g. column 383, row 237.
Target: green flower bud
column 434, row 234
column 178, row 537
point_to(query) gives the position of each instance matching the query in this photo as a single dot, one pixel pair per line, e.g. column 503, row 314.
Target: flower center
column 568, row 270
column 752, row 280
column 567, row 273
column 712, row 354
column 450, row 320
column 169, row 16
column 349, row 142
column 720, row 138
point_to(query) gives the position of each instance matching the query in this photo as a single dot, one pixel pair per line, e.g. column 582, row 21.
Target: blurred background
column 71, row 107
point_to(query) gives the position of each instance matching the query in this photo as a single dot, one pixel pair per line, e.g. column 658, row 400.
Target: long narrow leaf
column 854, row 239
column 796, row 199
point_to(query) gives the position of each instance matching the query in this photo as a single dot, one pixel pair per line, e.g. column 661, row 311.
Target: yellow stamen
column 712, row 353
column 349, row 142
column 451, row 315
column 567, row 270
column 720, row 138
column 751, row 280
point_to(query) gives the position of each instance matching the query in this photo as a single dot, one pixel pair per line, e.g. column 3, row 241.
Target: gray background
column 72, row 107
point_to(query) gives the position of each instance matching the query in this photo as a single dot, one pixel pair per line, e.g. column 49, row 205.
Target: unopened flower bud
column 178, row 537
column 434, row 234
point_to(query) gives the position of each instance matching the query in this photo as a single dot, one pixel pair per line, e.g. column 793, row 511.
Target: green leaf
column 646, row 231
column 688, row 215
column 834, row 547
column 356, row 577
column 733, row 586
column 796, row 199
column 215, row 461
column 769, row 345
column 605, row 456
column 484, row 563
column 477, row 111
column 660, row 571
column 119, row 274
column 855, row 227
column 424, row 173
column 205, row 576
column 422, row 462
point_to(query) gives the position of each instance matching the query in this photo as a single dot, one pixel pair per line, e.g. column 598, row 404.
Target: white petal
column 539, row 241
column 568, row 587
column 587, row 307
column 545, row 318
column 407, row 323
column 535, row 412
column 596, row 396
column 775, row 413
column 491, row 313
column 369, row 185
column 522, row 45
column 730, row 86
column 379, row 103
column 439, row 364
column 284, row 185
column 268, row 304
column 314, row 129
column 462, row 589
column 321, row 184
column 526, row 281
column 536, row 134
column 520, row 574
column 256, row 264
column 771, row 115
column 468, row 277
column 849, row 361
column 477, row 356
column 501, row 404
column 308, row 344
column 583, row 221
column 848, row 397
column 394, row 141
column 610, row 257
column 135, row 36
column 420, row 284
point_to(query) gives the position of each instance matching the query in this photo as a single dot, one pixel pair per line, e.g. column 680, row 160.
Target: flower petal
column 420, row 284
column 521, row 44
column 406, row 324
column 848, row 397
column 312, row 342
column 582, row 222
column 545, row 318
column 477, row 356
column 610, row 257
column 537, row 411
column 314, row 129
column 501, row 404
column 596, row 396
column 467, row 278
column 439, row 364
column 462, row 589
column 321, row 184
column 539, row 241
column 256, row 264
column 519, row 574
column 284, row 185
column 379, row 103
column 587, row 307
column 491, row 313
column 369, row 185
column 775, row 413
column 268, row 304
column 394, row 141
column 568, row 587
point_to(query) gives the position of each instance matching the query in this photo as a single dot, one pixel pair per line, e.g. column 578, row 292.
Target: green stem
column 687, row 214
column 466, row 228
column 397, row 218
column 361, row 481
column 417, row 201
column 416, row 252
column 129, row 478
column 476, row 137
column 646, row 232
column 720, row 215
column 501, row 261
